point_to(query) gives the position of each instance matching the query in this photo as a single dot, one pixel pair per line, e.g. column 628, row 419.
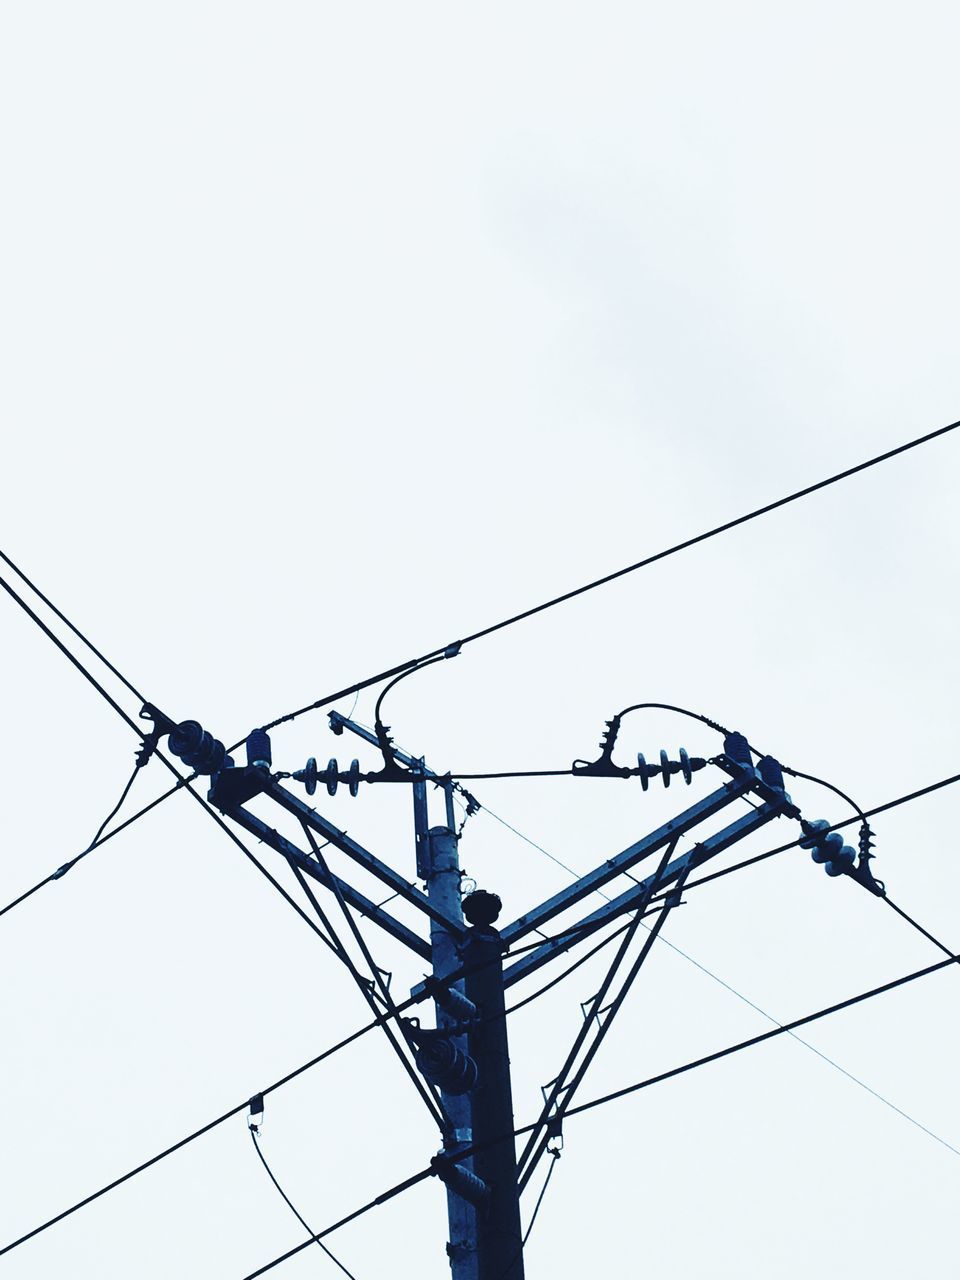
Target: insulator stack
column 463, row 1181
column 259, row 752
column 446, row 1066
column 331, row 776
column 827, row 847
column 686, row 766
column 199, row 750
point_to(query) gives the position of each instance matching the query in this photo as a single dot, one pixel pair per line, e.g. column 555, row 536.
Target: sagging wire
column 254, row 1124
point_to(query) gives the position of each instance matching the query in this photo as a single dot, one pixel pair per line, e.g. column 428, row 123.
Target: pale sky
column 335, row 333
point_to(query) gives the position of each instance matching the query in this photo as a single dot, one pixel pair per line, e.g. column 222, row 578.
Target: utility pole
column 438, row 864
column 466, row 1055
column 500, row 1241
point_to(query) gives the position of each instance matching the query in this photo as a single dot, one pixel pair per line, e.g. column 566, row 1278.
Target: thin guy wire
column 619, row 573
column 733, row 991
column 292, row 1207
column 629, row 1089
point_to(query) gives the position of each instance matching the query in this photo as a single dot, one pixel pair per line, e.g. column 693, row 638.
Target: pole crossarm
column 307, row 865
column 744, row 781
column 363, row 857
column 633, row 899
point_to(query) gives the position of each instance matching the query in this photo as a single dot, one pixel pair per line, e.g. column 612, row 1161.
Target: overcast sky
column 333, row 333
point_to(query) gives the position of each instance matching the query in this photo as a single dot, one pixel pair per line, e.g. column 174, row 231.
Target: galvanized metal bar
column 712, row 804
column 633, row 897
column 306, row 864
column 363, row 857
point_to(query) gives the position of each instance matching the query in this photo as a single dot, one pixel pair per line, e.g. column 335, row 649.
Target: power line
column 69, row 865
column 785, row 1029
column 181, row 780
column 443, row 650
column 76, row 631
column 915, row 925
column 292, row 1207
column 384, row 1196
column 723, row 983
column 329, row 1052
column 837, row 826
column 100, row 841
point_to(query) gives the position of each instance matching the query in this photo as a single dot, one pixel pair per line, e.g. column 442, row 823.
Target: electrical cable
column 584, row 1107
column 76, row 631
column 102, row 840
column 543, row 1192
column 785, row 1028
column 384, row 1196
column 69, row 865
column 463, row 972
column 413, row 663
column 916, row 925
column 832, row 1062
column 433, row 1105
column 181, row 780
column 292, row 1207
column 836, row 826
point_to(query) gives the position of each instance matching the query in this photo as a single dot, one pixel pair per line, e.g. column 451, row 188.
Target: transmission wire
column 292, row 1207
column 412, row 663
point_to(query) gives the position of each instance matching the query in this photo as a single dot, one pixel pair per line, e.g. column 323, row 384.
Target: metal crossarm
column 745, row 781
column 369, row 861
column 307, row 865
column 633, row 898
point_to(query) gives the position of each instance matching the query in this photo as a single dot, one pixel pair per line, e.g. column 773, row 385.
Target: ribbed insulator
column 199, row 750
column 258, row 748
column 446, row 1065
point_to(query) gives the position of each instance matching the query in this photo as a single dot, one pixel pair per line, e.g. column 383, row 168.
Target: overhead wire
column 686, row 543
column 832, row 1062
column 182, row 782
column 836, row 826
column 62, row 870
column 433, row 1104
column 292, row 1207
column 782, row 1029
column 626, row 1091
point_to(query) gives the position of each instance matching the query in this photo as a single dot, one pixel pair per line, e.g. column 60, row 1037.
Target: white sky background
column 334, row 334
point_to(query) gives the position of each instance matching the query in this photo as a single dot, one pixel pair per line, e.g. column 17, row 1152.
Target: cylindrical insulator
column 446, row 1066
column 259, row 752
column 464, row 1182
column 199, row 750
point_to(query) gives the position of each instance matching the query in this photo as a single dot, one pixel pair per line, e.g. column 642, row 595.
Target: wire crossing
column 236, row 1110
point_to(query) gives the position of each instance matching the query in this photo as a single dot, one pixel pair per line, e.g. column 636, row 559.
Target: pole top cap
column 481, row 907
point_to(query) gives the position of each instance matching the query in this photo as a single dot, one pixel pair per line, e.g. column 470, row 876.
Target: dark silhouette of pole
column 499, row 1235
